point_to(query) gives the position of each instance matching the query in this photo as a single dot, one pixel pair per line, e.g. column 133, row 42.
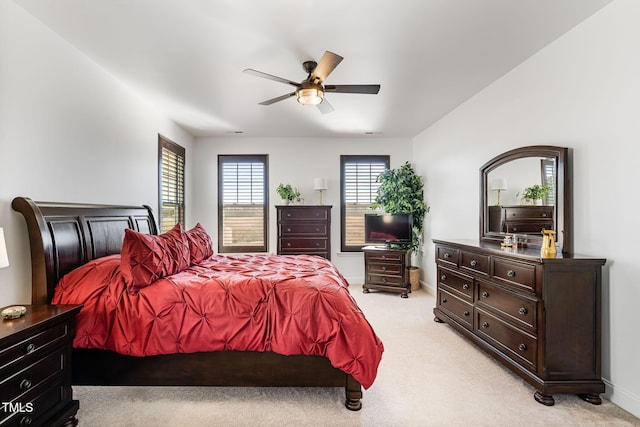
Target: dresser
column 521, row 219
column 540, row 317
column 35, row 372
column 304, row 229
column 385, row 269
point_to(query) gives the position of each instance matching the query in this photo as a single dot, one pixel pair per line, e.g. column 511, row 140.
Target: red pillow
column 199, row 244
column 146, row 258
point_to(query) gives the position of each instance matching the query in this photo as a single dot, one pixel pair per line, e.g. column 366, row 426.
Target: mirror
column 504, row 210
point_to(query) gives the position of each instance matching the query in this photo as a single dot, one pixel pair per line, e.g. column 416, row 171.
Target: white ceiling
column 429, row 56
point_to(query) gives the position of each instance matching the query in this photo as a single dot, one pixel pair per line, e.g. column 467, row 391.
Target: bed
column 69, row 238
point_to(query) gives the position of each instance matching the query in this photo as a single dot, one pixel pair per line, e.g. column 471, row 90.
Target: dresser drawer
column 302, row 214
column 527, row 226
column 517, row 343
column 522, row 275
column 447, row 254
column 458, row 309
column 31, row 376
column 528, row 212
column 509, row 304
column 303, row 229
column 476, row 263
column 458, row 282
column 34, row 346
column 385, row 268
column 301, row 244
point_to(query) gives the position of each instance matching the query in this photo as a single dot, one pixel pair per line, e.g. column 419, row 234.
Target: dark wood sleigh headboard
column 63, row 236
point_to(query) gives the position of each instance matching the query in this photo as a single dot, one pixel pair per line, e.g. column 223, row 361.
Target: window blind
column 171, row 184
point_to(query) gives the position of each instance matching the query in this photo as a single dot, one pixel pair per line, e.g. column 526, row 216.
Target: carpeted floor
column 429, row 376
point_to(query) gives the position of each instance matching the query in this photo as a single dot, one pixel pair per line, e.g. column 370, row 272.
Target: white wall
column 295, row 161
column 68, row 132
column 583, row 92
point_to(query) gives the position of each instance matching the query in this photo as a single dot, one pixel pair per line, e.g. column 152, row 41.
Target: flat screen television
column 388, row 228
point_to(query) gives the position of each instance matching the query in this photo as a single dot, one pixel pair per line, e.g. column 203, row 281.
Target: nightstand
column 385, row 269
column 35, row 371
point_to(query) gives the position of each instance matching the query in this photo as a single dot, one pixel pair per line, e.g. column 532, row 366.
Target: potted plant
column 287, row 193
column 402, row 191
column 535, row 194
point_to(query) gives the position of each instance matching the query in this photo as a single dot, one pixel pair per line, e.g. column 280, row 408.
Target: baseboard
column 625, row 399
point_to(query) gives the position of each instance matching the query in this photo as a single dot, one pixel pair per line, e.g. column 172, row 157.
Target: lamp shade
column 499, row 184
column 4, row 259
column 320, row 184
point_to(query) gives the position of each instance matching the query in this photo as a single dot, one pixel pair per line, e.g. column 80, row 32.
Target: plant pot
column 414, row 278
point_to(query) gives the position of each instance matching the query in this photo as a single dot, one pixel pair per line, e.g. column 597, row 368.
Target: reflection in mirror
column 506, row 210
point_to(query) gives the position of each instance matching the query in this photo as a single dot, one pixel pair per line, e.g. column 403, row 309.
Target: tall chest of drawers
column 35, row 371
column 540, row 317
column 304, row 229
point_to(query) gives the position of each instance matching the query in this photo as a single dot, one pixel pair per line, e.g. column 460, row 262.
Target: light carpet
column 429, row 376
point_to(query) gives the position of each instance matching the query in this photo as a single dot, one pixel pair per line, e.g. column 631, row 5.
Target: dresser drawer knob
column 288, row 245
column 384, row 268
column 511, row 273
column 384, row 280
column 31, row 348
column 444, row 300
column 447, row 256
column 317, row 244
column 485, row 294
column 523, row 310
column 473, row 263
column 465, row 286
column 288, row 230
column 318, row 230
column 485, row 325
column 443, row 277
column 522, row 347
column 25, row 384
column 466, row 313
column 25, row 421
column 288, row 215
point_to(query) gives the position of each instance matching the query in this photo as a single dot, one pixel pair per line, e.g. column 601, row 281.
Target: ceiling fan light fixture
column 310, row 95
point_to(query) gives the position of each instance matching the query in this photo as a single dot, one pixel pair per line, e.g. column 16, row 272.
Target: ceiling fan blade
column 269, row 76
column 277, row 99
column 327, row 64
column 325, row 107
column 368, row 89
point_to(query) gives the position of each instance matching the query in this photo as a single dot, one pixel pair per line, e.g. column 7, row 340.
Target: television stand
column 385, row 269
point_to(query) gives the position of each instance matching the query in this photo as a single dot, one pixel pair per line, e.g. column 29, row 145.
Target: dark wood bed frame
column 63, row 236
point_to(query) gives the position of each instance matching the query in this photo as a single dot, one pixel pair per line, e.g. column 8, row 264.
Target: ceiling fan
column 311, row 90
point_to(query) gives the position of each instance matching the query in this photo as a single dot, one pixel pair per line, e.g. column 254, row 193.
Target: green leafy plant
column 402, row 191
column 286, row 192
column 535, row 192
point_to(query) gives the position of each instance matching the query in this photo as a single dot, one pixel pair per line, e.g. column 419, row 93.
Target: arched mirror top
column 504, row 207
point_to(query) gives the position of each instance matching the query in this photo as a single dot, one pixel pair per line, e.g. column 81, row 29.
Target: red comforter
column 285, row 304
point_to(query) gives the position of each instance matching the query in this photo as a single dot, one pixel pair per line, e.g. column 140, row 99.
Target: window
column 242, row 203
column 171, row 183
column 548, row 170
column 358, row 187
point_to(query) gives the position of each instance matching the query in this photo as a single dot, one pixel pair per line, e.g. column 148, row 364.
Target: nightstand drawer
column 384, row 256
column 31, row 376
column 383, row 279
column 34, row 346
column 44, row 400
column 385, row 268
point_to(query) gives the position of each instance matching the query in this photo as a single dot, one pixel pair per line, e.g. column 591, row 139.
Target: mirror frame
column 564, row 195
